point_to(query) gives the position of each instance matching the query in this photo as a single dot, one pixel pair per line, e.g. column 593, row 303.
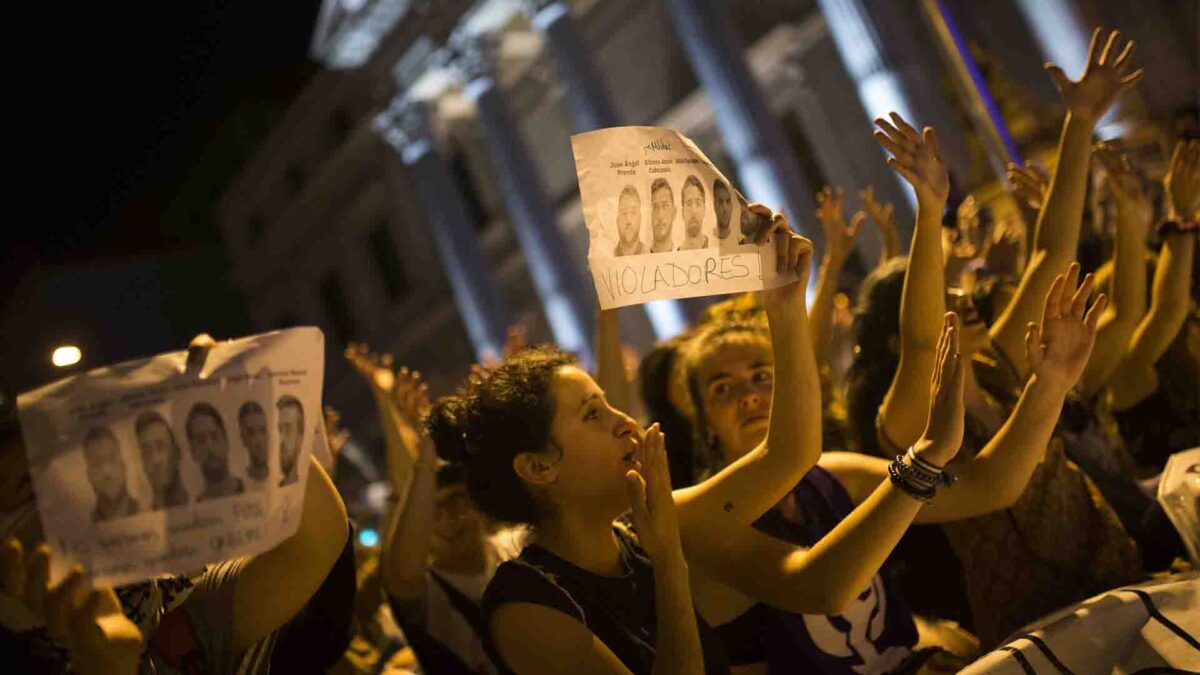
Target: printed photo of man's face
column 629, row 216
column 693, row 207
column 209, row 443
column 160, row 455
column 252, row 427
column 291, row 436
column 105, row 466
column 723, row 208
column 662, row 211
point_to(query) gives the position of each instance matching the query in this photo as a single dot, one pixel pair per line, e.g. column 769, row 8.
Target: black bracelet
column 923, row 471
column 916, row 475
column 908, row 487
column 1171, row 226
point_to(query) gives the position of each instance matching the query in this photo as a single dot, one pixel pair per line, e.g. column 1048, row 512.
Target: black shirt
column 617, row 610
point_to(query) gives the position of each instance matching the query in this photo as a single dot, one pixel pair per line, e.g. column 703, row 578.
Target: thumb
column 1059, row 77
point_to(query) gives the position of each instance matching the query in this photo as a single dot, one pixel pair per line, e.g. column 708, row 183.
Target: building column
column 566, row 300
column 757, row 144
column 592, row 107
column 404, row 126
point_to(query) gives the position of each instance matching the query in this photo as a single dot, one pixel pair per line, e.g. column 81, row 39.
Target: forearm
column 1168, row 305
column 822, row 309
column 844, row 561
column 1058, row 224
column 1127, row 306
column 273, row 586
column 610, row 362
column 405, row 556
column 922, row 308
column 677, row 643
column 793, row 443
column 401, row 444
column 997, row 476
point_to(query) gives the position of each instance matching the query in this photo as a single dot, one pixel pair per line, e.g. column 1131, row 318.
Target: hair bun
column 447, row 425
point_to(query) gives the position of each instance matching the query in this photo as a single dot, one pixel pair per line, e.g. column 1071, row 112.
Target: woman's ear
column 535, row 468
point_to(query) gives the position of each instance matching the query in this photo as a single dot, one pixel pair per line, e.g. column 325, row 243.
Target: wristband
column 1171, row 226
column 922, row 494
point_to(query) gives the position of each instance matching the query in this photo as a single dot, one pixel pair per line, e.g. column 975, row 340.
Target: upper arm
column 730, row 500
column 276, row 584
column 535, row 639
column 858, row 474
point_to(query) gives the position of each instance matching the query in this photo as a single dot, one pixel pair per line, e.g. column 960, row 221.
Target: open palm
column 1105, row 76
column 1059, row 347
column 916, row 157
column 839, row 237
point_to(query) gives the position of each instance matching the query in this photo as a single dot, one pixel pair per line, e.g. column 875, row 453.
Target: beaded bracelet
column 937, row 474
column 924, row 494
column 916, row 475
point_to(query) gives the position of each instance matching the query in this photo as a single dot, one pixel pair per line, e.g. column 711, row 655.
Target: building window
column 294, row 176
column 255, row 228
column 387, row 262
column 337, row 311
column 339, row 124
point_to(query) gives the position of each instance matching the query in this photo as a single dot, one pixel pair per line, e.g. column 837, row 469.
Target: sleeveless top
column 617, row 610
column 875, row 634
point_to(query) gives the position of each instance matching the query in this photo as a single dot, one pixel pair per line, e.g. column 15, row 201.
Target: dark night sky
column 150, row 87
column 139, row 114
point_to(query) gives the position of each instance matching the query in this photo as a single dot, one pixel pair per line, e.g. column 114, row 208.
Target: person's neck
column 661, row 244
column 472, row 560
column 629, row 246
column 163, row 496
column 112, row 505
column 582, row 539
column 694, row 238
column 257, row 470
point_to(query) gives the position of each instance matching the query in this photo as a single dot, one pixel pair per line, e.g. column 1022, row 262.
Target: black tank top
column 617, row 610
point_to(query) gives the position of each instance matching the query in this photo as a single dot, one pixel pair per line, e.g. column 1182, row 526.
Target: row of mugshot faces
column 693, row 202
column 208, row 444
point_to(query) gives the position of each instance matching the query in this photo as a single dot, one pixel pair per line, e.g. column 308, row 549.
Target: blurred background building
column 418, row 192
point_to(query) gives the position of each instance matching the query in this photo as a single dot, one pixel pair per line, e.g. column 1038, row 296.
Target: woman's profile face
column 457, row 524
column 595, row 443
column 735, row 383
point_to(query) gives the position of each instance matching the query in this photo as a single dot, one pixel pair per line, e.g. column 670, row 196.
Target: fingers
column 1093, row 316
column 635, row 487
column 63, row 601
column 1059, row 77
column 931, row 141
column 1094, row 48
column 1108, row 46
column 37, row 581
column 1064, row 299
column 908, row 174
column 1132, row 77
column 12, row 569
column 856, row 222
column 905, row 127
column 1053, row 299
column 1123, row 57
column 1033, row 346
column 1079, row 301
column 893, row 146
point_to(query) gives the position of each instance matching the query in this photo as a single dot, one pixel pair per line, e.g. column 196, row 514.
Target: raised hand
column 375, row 369
column 1007, row 242
column 86, row 621
column 1104, row 78
column 1124, row 181
column 944, row 428
column 1028, row 184
column 916, row 157
column 653, row 508
column 839, row 237
column 884, row 215
column 1182, row 182
column 335, row 435
column 793, row 253
column 1059, row 347
column 411, row 397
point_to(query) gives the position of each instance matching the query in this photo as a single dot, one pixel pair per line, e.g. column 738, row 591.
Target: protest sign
column 663, row 222
column 145, row 467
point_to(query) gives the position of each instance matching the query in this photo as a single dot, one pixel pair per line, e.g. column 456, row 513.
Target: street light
column 67, row 355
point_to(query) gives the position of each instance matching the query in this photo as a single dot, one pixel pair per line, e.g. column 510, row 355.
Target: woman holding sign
column 542, row 446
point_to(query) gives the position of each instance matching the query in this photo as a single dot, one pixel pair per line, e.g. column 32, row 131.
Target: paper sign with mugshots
column 145, row 468
column 663, row 222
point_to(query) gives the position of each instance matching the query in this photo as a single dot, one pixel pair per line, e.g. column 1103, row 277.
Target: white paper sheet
column 663, row 222
column 142, row 468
